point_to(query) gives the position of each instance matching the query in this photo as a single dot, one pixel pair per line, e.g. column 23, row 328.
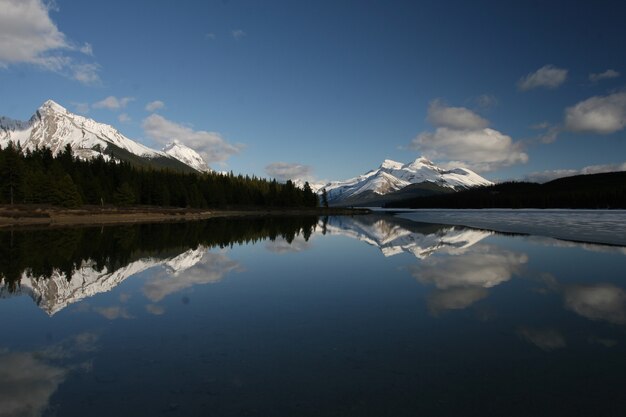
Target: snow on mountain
column 186, row 155
column 53, row 126
column 393, row 236
column 57, row 292
column 392, row 176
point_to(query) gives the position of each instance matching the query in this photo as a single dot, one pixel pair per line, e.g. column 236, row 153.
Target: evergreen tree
column 324, row 198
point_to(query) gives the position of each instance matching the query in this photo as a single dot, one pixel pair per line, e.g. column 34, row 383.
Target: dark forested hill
column 40, row 178
column 592, row 191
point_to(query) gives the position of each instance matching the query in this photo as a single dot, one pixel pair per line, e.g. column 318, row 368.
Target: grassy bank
column 49, row 215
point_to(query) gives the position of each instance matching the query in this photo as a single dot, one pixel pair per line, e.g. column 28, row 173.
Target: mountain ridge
column 53, row 126
column 392, row 176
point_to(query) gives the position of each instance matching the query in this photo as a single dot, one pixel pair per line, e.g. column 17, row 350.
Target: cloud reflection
column 281, row 245
column 28, row 379
column 597, row 302
column 544, row 339
column 464, row 279
column 211, row 268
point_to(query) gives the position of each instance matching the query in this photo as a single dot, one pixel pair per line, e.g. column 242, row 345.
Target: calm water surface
column 343, row 316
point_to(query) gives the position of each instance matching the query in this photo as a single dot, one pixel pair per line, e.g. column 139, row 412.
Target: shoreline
column 26, row 215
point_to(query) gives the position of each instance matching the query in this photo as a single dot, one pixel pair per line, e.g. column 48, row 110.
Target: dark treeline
column 597, row 191
column 41, row 252
column 38, row 177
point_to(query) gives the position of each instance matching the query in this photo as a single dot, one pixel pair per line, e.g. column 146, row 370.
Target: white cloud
column 211, row 146
column 606, row 75
column 284, row 171
column 480, row 150
column 29, row 36
column 549, row 175
column 440, row 115
column 124, row 118
column 463, row 138
column 238, row 34
column 547, row 76
column 155, row 105
column 210, row 36
column 113, row 103
column 598, row 114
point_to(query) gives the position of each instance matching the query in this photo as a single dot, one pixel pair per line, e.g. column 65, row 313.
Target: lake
column 377, row 315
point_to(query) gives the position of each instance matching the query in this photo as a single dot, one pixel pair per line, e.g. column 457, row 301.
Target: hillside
column 607, row 190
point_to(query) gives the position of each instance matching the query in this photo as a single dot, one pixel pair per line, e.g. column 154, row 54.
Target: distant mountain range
column 53, row 126
column 393, row 181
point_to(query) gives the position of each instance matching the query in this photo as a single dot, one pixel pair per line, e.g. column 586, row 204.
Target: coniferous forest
column 39, row 177
column 593, row 191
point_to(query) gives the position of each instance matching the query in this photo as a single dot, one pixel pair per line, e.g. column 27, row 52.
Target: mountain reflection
column 394, row 235
column 58, row 267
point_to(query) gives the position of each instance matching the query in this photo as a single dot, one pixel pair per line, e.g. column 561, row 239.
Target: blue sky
column 331, row 88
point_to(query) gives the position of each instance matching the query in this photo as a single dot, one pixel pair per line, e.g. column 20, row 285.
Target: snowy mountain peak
column 51, row 105
column 419, row 162
column 178, row 150
column 54, row 127
column 390, row 164
column 393, row 176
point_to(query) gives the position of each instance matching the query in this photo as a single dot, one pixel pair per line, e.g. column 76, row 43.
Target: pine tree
column 324, row 198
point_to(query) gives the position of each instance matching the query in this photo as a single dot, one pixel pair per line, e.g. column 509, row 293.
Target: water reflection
column 462, row 279
column 28, row 379
column 597, row 302
column 307, row 321
column 57, row 268
column 394, row 235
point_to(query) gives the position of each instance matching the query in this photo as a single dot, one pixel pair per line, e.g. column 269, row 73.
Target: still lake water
column 342, row 316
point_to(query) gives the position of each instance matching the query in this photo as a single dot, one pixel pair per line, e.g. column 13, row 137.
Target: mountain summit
column 392, row 176
column 53, row 126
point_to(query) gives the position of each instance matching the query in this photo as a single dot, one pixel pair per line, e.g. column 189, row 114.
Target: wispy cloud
column 29, row 36
column 284, row 171
column 211, row 145
column 81, row 107
column 599, row 114
column 549, row 175
column 113, row 103
column 210, row 36
column 238, row 34
column 463, row 138
column 155, row 105
column 124, row 118
column 547, row 76
column 486, row 101
column 606, row 75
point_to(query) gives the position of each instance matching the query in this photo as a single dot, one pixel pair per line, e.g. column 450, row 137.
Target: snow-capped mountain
column 186, row 155
column 393, row 235
column 53, row 126
column 392, row 176
column 57, row 292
